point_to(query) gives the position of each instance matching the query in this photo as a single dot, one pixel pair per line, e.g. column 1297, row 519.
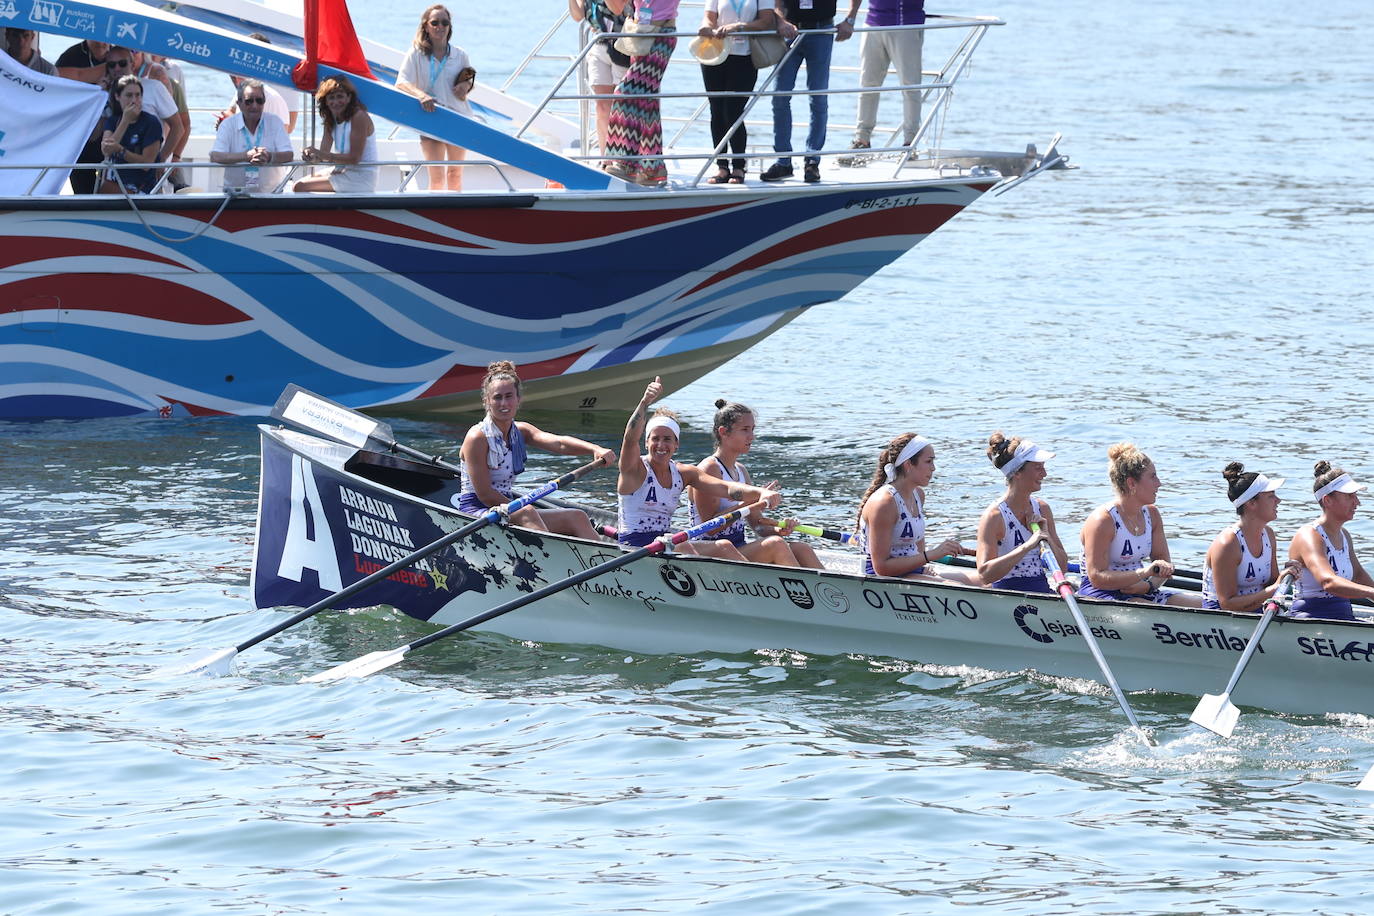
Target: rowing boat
column 209, row 303
column 330, row 513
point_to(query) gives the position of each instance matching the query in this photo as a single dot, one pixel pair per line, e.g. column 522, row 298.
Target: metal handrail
column 936, row 95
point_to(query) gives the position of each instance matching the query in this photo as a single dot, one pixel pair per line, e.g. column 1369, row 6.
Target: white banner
column 44, row 120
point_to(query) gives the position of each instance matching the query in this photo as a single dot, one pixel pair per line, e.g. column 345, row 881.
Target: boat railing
column 685, row 146
column 292, row 170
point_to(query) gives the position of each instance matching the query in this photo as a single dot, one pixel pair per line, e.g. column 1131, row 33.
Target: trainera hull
column 322, row 526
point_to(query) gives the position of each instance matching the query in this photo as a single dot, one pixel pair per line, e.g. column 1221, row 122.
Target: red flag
column 331, row 40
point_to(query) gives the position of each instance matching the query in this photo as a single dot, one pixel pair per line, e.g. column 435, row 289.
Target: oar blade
column 359, row 667
column 216, row 664
column 1216, row 713
column 1367, row 784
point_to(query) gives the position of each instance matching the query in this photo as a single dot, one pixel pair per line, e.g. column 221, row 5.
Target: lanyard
column 252, row 140
column 738, row 6
column 436, row 67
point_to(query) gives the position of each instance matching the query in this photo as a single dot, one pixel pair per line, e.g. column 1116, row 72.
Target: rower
column 1013, row 530
column 1125, row 552
column 493, row 456
column 733, row 428
column 1241, row 572
column 1331, row 576
column 651, row 486
column 892, row 521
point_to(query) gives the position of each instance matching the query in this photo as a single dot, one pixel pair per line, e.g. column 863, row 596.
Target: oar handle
column 830, row 534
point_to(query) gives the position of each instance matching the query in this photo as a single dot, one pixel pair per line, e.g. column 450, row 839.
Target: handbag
column 766, row 50
column 638, row 44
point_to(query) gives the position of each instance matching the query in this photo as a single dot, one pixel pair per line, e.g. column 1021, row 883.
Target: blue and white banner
column 44, row 120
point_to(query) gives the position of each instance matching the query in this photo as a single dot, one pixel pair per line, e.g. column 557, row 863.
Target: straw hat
column 710, row 51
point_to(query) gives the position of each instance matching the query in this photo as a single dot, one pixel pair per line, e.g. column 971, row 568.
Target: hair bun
column 721, row 402
column 1320, row 468
column 1233, row 471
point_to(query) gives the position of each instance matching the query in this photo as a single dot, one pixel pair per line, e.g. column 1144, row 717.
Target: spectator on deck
column 430, row 72
column 253, row 139
column 157, row 99
column 22, row 45
column 131, row 135
column 812, row 49
column 349, row 138
column 880, row 50
column 605, row 65
column 85, row 62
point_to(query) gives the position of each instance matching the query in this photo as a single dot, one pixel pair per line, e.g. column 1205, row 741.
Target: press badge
column 808, row 4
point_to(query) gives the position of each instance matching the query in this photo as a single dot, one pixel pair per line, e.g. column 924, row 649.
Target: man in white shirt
column 253, row 139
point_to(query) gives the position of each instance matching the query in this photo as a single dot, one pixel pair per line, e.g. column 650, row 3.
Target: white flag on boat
column 44, row 120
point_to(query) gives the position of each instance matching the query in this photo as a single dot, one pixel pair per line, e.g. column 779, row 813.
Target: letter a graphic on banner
column 301, row 551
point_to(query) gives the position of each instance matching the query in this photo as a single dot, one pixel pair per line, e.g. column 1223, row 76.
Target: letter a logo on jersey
column 906, row 530
column 1127, row 550
column 309, row 542
column 1017, row 540
column 1249, row 570
column 652, row 495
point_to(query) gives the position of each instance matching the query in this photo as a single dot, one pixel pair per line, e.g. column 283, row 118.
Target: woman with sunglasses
column 349, row 139
column 430, row 72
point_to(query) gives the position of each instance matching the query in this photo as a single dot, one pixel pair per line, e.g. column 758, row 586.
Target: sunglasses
column 250, row 100
column 442, row 22
column 117, row 64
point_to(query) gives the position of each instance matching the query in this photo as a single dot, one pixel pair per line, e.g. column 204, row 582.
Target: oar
column 376, row 661
column 219, row 662
column 1065, row 589
column 1218, row 713
column 343, row 424
column 830, row 534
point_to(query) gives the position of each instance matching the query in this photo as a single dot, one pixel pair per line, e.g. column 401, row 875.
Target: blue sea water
column 1201, row 286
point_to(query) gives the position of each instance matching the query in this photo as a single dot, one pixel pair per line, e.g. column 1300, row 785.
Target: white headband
column 1260, row 484
column 1342, row 484
column 661, row 420
column 913, row 448
column 1025, row 453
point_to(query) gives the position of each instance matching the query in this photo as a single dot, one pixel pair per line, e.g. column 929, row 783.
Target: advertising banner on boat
column 44, row 120
column 319, row 531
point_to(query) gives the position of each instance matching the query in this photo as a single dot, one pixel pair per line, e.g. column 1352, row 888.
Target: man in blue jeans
column 813, row 50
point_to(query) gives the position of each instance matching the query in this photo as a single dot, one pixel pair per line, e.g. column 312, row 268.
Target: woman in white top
column 651, row 486
column 1242, row 571
column 1125, row 552
column 430, row 72
column 736, row 73
column 493, row 456
column 892, row 521
column 1008, row 546
column 733, row 428
column 349, row 138
column 1332, row 574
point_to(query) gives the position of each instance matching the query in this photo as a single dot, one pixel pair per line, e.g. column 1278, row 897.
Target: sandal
column 721, row 176
column 736, row 177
